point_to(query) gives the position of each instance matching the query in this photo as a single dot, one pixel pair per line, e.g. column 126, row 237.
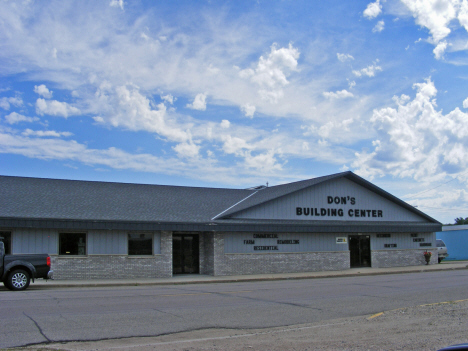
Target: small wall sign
column 341, row 240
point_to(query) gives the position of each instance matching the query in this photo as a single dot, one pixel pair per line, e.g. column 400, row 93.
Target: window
column 140, row 244
column 72, row 244
column 6, row 241
column 439, row 242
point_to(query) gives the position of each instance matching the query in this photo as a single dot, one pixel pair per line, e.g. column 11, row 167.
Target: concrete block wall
column 116, row 266
column 401, row 258
column 262, row 263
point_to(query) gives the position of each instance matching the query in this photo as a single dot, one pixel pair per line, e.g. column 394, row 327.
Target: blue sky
column 239, row 93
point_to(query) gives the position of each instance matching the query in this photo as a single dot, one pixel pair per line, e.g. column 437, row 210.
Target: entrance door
column 185, row 254
column 359, row 247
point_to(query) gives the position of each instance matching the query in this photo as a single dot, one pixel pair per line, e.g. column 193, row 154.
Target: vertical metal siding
column 234, row 243
column 34, row 241
column 403, row 241
column 115, row 242
column 98, row 242
column 107, row 242
column 316, row 242
column 316, row 197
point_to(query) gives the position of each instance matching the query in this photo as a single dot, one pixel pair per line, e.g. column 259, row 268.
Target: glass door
column 185, row 254
column 360, row 253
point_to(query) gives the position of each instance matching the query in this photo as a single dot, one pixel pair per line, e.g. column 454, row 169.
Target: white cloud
column 463, row 14
column 182, row 64
column 55, row 108
column 378, row 27
column 5, row 102
column 46, row 133
column 329, row 129
column 344, row 57
column 126, row 107
column 343, row 94
column 14, row 118
column 58, row 149
column 169, row 99
column 401, row 100
column 43, row 91
column 117, row 3
column 465, row 103
column 436, row 16
column 248, row 110
column 54, row 148
column 188, row 150
column 199, row 103
column 265, row 162
column 439, row 50
column 373, row 10
column 416, row 140
column 368, row 71
column 234, row 145
column 225, row 124
column 271, row 72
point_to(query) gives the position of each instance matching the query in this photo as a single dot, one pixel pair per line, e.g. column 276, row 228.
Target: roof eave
column 223, row 226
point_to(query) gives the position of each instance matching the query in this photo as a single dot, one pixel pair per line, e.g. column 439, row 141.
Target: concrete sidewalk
column 203, row 279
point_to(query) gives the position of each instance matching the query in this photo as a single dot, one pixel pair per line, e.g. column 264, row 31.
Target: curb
column 88, row 284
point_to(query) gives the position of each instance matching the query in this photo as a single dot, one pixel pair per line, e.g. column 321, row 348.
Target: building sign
column 266, row 248
column 269, row 247
column 342, row 240
column 351, row 213
column 287, row 242
column 266, row 236
column 261, row 243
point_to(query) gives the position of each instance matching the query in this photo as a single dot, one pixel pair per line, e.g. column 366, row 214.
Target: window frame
column 81, row 234
column 131, row 250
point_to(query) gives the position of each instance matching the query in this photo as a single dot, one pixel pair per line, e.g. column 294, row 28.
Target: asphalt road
column 41, row 315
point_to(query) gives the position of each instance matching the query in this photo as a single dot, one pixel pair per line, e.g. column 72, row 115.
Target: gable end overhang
column 228, row 214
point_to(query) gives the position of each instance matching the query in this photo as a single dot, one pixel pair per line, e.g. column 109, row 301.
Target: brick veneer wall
column 401, row 258
column 214, row 261
column 207, row 248
column 233, row 264
column 116, row 266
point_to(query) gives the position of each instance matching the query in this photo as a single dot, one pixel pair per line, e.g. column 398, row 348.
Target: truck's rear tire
column 18, row 279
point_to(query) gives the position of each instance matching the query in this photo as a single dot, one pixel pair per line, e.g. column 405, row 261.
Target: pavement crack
column 38, row 328
column 171, row 314
column 266, row 300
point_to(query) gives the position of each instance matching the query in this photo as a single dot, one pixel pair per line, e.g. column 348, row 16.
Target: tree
column 461, row 220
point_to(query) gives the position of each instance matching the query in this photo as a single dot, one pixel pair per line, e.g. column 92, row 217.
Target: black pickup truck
column 17, row 271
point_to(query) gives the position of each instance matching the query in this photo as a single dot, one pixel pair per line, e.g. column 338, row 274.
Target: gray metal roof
column 84, row 200
column 52, row 203
column 267, row 194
